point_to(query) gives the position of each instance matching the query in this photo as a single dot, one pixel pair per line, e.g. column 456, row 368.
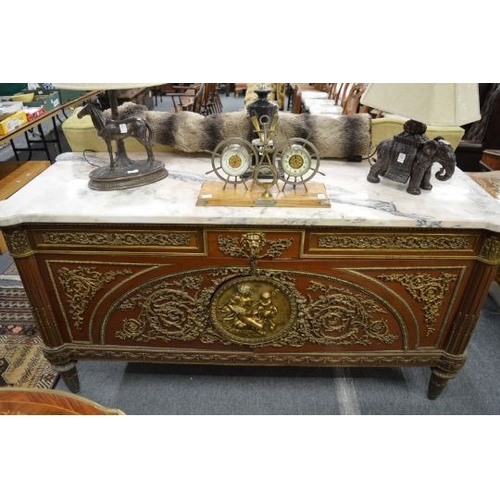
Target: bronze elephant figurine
column 401, row 160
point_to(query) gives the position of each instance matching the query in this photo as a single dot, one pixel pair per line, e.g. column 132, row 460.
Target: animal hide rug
column 335, row 137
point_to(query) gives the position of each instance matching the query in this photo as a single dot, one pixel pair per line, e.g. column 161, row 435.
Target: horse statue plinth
column 123, row 172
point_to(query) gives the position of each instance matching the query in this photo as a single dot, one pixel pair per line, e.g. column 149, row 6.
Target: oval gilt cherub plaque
column 252, row 310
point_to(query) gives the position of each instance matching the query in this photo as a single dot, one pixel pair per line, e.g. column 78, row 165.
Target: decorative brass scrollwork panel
column 428, row 290
column 81, row 284
column 130, row 238
column 395, row 242
column 490, row 252
column 18, row 243
column 227, row 306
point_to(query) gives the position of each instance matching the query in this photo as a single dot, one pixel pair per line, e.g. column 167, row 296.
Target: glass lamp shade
column 440, row 104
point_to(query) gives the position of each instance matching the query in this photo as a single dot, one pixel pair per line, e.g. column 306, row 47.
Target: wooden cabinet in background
column 491, row 159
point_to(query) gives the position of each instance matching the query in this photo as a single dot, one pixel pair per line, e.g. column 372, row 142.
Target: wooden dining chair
column 187, row 97
column 210, row 102
column 352, row 105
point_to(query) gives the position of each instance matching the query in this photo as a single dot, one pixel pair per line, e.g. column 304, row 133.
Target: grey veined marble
column 61, row 194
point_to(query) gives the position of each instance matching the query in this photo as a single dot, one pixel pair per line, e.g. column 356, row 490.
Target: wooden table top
column 16, row 174
column 47, row 115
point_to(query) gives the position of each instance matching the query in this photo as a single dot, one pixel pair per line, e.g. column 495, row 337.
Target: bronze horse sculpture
column 116, row 130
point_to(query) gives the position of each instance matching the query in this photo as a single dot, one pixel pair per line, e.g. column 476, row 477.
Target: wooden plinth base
column 212, row 193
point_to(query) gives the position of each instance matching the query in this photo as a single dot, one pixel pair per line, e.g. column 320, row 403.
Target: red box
column 33, row 113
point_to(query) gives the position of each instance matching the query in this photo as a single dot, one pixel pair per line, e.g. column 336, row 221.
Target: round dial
column 296, row 160
column 299, row 161
column 235, row 160
column 232, row 159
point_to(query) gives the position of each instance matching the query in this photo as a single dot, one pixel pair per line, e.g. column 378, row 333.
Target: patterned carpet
column 22, row 363
column 15, row 311
column 11, row 273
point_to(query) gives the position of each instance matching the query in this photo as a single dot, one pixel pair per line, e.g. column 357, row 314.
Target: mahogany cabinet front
column 309, row 296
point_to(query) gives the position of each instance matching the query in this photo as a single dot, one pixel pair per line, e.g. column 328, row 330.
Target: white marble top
column 61, row 194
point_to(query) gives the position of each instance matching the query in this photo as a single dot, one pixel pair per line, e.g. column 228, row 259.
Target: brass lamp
column 122, row 172
column 264, row 117
column 410, row 154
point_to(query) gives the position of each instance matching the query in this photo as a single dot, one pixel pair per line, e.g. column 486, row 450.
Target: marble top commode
column 61, row 195
column 378, row 277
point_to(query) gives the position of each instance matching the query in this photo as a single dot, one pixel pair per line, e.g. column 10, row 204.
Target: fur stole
column 335, row 137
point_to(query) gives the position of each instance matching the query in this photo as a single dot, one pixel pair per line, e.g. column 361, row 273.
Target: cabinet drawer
column 394, row 244
column 153, row 239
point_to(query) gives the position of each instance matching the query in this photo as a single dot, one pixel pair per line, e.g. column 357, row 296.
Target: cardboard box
column 49, row 100
column 33, row 112
column 11, row 122
column 10, row 107
column 69, row 95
